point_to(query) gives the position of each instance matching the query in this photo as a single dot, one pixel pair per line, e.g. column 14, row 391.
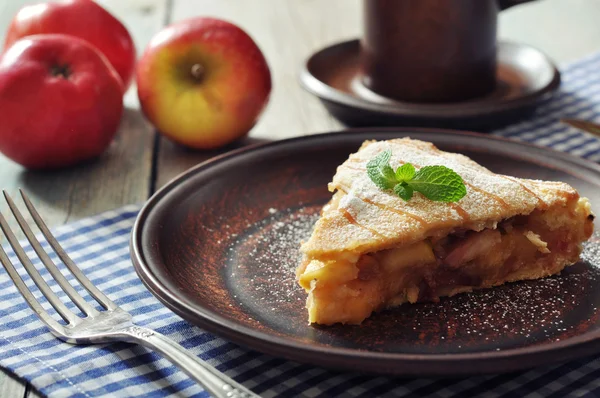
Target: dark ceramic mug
column 431, row 50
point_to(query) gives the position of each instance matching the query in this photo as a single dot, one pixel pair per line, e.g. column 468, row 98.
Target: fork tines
column 69, row 316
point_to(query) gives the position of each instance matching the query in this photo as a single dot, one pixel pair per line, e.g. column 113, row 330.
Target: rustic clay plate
column 219, row 245
column 525, row 78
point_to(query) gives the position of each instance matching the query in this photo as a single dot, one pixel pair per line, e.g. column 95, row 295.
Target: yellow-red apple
column 203, row 82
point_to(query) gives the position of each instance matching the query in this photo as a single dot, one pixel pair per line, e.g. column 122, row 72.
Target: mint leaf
column 404, row 191
column 380, row 171
column 438, row 183
column 406, row 172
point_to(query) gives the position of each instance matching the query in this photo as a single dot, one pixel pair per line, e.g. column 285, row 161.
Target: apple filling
column 348, row 289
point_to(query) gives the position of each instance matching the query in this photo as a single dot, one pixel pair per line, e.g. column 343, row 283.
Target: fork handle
column 215, row 382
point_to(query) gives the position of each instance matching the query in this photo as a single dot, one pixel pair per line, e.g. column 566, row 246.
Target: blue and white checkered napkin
column 100, row 246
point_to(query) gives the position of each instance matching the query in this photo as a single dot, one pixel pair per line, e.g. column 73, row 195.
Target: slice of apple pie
column 371, row 249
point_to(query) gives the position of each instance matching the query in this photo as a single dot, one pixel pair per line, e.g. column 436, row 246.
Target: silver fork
column 112, row 324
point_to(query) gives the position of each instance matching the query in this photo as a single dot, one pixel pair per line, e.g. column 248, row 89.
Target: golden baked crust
column 369, row 219
column 364, row 228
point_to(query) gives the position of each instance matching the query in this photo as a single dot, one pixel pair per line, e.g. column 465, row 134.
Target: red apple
column 81, row 18
column 60, row 101
column 203, row 82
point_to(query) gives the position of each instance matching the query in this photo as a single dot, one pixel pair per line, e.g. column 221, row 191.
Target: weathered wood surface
column 287, row 31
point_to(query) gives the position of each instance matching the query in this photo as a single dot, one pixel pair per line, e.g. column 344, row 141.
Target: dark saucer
column 526, row 77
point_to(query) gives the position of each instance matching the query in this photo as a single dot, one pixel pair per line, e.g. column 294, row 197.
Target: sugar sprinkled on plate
column 268, row 254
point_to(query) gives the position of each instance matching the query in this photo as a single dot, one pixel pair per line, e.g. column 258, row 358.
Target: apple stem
column 197, row 72
column 60, row 70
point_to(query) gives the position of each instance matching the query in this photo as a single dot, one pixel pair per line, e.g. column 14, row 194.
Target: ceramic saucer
column 526, row 78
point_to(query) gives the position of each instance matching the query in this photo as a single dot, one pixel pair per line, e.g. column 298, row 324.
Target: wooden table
column 288, row 31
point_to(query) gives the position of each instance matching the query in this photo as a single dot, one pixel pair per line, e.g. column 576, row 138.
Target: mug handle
column 504, row 4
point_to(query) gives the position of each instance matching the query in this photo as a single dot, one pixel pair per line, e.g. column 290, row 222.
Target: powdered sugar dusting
column 532, row 312
column 264, row 260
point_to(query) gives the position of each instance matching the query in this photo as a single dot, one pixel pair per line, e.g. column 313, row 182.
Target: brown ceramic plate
column 219, row 245
column 525, row 78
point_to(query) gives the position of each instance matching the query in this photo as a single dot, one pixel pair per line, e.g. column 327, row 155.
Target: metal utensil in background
column 589, row 127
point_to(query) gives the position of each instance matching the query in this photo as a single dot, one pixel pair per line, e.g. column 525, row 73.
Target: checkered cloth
column 100, row 246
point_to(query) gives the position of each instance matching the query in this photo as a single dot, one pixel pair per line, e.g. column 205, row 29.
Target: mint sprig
column 437, row 183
